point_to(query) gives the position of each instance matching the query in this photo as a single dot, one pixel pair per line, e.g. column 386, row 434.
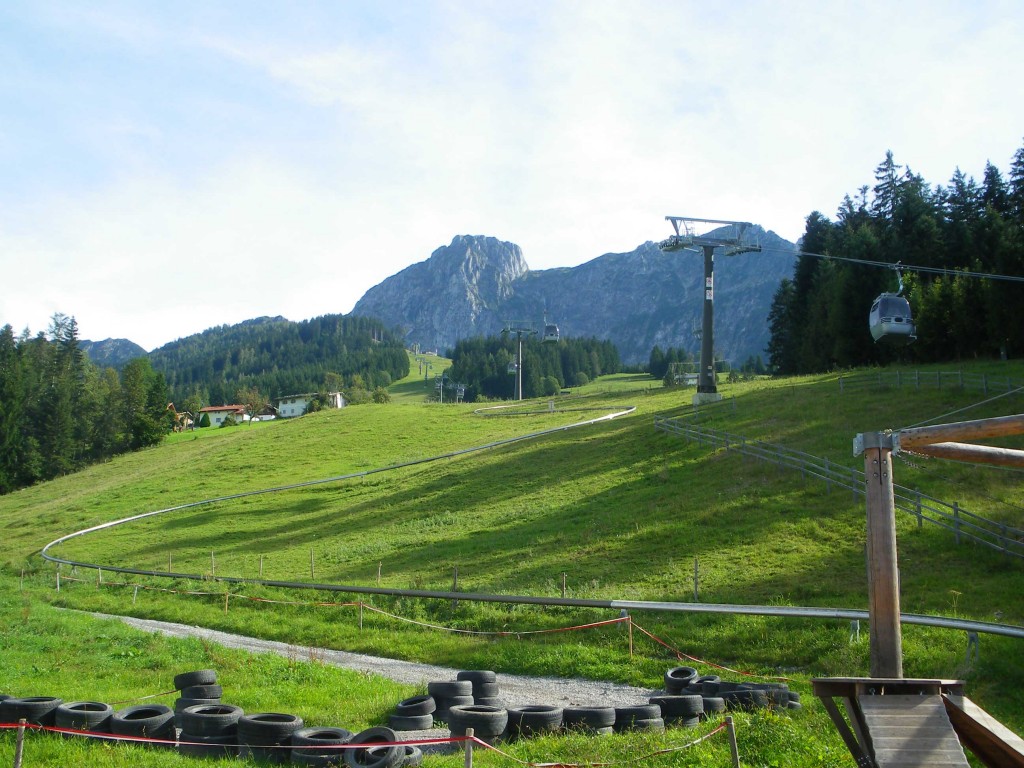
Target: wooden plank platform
column 909, row 731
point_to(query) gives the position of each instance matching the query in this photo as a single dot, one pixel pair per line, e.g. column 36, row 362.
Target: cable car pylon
column 686, row 239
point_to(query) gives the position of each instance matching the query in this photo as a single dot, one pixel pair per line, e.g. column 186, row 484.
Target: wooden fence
column 964, row 525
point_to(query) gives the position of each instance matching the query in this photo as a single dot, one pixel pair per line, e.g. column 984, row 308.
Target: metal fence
column 936, row 379
column 964, row 525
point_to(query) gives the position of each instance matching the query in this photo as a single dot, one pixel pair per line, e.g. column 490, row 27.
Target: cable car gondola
column 891, row 320
column 550, row 333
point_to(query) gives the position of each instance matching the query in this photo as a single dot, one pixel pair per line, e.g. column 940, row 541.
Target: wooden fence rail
column 937, row 379
column 964, row 525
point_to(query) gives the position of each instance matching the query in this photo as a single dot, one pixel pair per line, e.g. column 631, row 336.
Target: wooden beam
column 992, row 743
column 977, row 454
column 883, row 573
column 980, row 429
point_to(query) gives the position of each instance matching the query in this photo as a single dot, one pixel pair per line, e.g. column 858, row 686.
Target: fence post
column 828, row 478
column 455, row 585
column 730, row 727
column 168, row 562
column 563, row 585
column 696, row 579
column 917, row 508
column 19, row 745
column 956, row 520
column 213, row 565
column 312, row 570
column 469, row 748
column 261, row 566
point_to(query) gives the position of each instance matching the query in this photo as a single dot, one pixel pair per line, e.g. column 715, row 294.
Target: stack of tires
column 267, row 736
column 448, row 694
column 198, row 688
column 682, row 710
column 377, row 749
column 414, row 714
column 488, row 723
column 485, row 686
column 719, row 695
column 209, row 730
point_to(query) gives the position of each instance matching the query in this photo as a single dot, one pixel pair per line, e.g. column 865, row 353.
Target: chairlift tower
column 687, row 239
column 519, row 329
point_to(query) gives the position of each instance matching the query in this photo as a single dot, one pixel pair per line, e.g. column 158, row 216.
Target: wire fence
column 964, row 525
column 935, row 379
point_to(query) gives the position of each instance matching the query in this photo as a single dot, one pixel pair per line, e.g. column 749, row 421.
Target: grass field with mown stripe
column 619, row 508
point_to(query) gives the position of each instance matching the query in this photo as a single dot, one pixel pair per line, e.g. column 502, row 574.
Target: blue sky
column 168, row 167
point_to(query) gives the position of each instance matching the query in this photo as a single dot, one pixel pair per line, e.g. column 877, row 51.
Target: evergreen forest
column 819, row 318
column 59, row 413
column 278, row 357
column 486, row 366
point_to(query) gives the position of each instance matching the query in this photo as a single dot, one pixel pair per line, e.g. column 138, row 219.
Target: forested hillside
column 482, row 365
column 279, row 357
column 59, row 412
column 819, row 318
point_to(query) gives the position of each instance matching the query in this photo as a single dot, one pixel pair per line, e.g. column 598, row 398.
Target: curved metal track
column 1007, row 630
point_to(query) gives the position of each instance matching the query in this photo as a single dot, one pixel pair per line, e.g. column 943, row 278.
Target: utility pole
column 686, row 239
column 519, row 329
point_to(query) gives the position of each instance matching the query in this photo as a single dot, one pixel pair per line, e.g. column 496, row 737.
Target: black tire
column 713, row 705
column 534, row 719
column 486, row 722
column 588, row 719
column 746, row 698
column 708, row 684
column 683, row 722
column 447, row 689
column 679, row 707
column 151, row 721
column 626, row 715
column 35, row 710
column 794, row 696
column 678, row 678
column 794, row 705
column 312, row 746
column 202, row 692
column 194, row 745
column 210, row 719
column 417, row 705
column 443, row 705
column 653, row 724
column 477, row 676
column 184, row 703
column 391, row 757
column 91, row 716
column 778, row 693
column 485, row 690
column 413, row 756
column 410, row 722
column 198, row 677
column 271, row 726
column 490, row 701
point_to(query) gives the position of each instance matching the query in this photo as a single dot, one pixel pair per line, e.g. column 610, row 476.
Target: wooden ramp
column 990, row 741
column 907, row 731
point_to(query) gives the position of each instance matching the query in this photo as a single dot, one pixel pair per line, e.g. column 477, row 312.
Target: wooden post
column 135, row 594
column 22, row 579
column 360, row 615
column 261, row 566
column 19, row 745
column 58, row 580
column 696, row 579
column 883, row 572
column 563, row 581
column 956, row 521
column 730, row 728
column 469, row 748
column 380, row 564
column 629, row 624
column 213, row 565
column 312, row 570
column 227, row 594
column 168, row 562
column 455, row 585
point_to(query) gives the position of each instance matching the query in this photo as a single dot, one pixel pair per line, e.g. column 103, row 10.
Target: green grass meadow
column 613, row 510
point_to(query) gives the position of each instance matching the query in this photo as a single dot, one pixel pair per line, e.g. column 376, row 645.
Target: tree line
column 485, row 365
column 819, row 318
column 59, row 413
column 278, row 357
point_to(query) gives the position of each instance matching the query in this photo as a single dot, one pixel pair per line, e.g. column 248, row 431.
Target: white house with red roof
column 218, row 413
column 295, row 405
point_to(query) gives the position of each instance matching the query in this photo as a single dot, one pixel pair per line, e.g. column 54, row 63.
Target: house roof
column 218, row 408
column 304, row 395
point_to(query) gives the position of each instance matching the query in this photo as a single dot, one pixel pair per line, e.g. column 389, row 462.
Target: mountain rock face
column 111, row 353
column 478, row 285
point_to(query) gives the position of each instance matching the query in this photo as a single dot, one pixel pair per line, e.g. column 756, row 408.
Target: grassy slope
column 622, row 510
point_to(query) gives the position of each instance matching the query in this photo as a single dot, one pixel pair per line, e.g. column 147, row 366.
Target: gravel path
column 516, row 690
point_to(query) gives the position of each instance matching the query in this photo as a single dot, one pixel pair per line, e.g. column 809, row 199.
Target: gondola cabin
column 512, row 367
column 550, row 333
column 891, row 320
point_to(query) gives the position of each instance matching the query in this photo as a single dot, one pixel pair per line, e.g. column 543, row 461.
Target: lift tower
column 520, row 329
column 687, row 239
